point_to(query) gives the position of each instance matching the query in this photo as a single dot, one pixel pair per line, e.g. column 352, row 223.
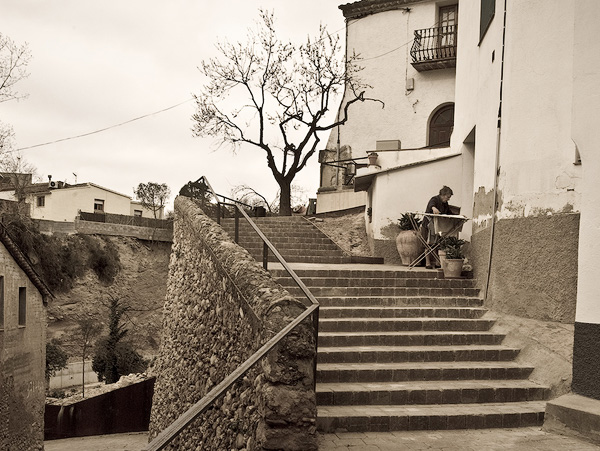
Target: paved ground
column 523, row 439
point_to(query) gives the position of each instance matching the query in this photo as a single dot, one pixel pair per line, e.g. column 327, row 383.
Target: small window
column 1, row 302
column 22, row 306
column 98, row 206
column 488, row 8
column 41, row 201
column 137, row 213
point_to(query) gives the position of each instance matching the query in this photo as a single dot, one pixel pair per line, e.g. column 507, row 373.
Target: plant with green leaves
column 405, row 221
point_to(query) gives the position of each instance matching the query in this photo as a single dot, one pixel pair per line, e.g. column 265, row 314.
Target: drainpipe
column 497, row 162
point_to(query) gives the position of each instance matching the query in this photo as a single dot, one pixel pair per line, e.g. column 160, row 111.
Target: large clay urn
column 409, row 246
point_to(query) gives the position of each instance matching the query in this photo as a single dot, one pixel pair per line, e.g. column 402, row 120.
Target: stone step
column 373, row 272
column 420, row 371
column 298, row 250
column 388, row 291
column 429, row 392
column 399, row 301
column 322, row 259
column 386, row 354
column 416, row 338
column 401, row 312
column 286, row 240
column 379, row 282
column 402, row 324
column 361, row 418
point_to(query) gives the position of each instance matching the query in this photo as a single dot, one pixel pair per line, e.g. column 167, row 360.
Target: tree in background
column 87, row 331
column 286, row 93
column 56, row 358
column 13, row 68
column 153, row 196
column 114, row 357
column 249, row 196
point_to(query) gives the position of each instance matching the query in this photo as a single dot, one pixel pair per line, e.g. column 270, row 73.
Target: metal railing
column 174, row 429
column 434, row 44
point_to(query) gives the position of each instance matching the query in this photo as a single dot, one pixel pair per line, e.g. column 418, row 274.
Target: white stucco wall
column 537, row 175
column 146, row 212
column 586, row 134
column 63, row 204
column 340, row 200
column 406, row 113
column 409, row 189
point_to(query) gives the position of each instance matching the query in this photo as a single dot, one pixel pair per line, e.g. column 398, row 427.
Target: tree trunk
column 285, row 198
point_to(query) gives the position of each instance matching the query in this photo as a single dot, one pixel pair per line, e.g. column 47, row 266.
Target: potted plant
column 407, row 242
column 452, row 266
column 449, row 242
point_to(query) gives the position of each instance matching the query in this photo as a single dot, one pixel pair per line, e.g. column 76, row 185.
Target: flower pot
column 372, row 158
column 409, row 246
column 453, row 268
column 442, row 256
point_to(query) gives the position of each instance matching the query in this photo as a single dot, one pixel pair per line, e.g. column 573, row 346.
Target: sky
column 98, row 64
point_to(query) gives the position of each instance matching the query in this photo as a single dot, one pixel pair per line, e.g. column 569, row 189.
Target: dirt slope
column 141, row 284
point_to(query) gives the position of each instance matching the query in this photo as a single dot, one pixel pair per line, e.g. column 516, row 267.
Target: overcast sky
column 97, row 64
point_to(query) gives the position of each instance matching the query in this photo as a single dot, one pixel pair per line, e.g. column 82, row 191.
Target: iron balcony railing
column 167, row 435
column 434, row 48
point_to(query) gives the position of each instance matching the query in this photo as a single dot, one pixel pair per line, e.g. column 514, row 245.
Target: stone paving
column 521, row 439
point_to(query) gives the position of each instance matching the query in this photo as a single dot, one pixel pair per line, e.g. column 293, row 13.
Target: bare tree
column 87, row 331
column 250, row 196
column 287, row 89
column 153, row 196
column 13, row 67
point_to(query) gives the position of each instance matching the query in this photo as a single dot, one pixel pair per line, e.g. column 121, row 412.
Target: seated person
column 437, row 205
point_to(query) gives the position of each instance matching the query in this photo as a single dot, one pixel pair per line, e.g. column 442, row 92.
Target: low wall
column 101, row 228
column 221, row 306
column 126, row 409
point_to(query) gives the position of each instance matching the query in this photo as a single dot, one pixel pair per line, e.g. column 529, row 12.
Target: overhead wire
column 348, row 24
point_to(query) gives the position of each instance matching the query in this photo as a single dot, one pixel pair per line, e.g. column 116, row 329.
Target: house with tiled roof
column 23, row 298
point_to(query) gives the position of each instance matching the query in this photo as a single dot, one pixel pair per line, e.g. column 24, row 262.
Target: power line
column 102, row 129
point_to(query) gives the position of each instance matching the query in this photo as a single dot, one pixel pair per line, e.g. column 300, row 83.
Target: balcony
column 434, row 48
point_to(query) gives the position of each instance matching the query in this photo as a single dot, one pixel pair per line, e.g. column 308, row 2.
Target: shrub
column 104, row 260
column 56, row 358
column 405, row 221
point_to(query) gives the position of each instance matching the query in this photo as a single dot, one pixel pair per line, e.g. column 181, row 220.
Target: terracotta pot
column 453, row 268
column 409, row 246
column 442, row 256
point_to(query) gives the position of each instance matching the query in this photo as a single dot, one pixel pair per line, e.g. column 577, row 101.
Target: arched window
column 441, row 126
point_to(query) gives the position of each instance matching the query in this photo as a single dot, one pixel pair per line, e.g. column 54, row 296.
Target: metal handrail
column 174, row 429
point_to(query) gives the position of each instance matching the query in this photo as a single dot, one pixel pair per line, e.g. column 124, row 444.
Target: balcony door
column 448, row 21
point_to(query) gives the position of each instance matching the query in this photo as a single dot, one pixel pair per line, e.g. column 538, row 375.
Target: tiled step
column 387, row 291
column 429, row 392
column 386, row 354
column 380, row 282
column 288, row 240
column 299, row 252
column 402, row 324
column 422, row 371
column 415, row 338
column 400, row 301
column 361, row 418
column 401, row 312
column 376, row 272
column 325, row 259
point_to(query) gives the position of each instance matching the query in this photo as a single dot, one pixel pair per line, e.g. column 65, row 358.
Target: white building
column 56, row 201
column 524, row 139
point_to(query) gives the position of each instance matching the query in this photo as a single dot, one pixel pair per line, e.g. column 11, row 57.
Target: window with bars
column 22, row 306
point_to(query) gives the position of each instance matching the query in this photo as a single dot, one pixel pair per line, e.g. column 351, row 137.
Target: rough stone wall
column 534, row 266
column 221, row 306
column 22, row 362
column 101, row 228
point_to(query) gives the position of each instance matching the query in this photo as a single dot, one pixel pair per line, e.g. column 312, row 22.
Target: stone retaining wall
column 221, row 306
column 101, row 228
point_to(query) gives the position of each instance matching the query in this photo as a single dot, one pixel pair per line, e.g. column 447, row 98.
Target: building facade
column 60, row 202
column 23, row 297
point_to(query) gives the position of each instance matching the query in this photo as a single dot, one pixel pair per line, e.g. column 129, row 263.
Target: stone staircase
column 404, row 350
column 295, row 238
